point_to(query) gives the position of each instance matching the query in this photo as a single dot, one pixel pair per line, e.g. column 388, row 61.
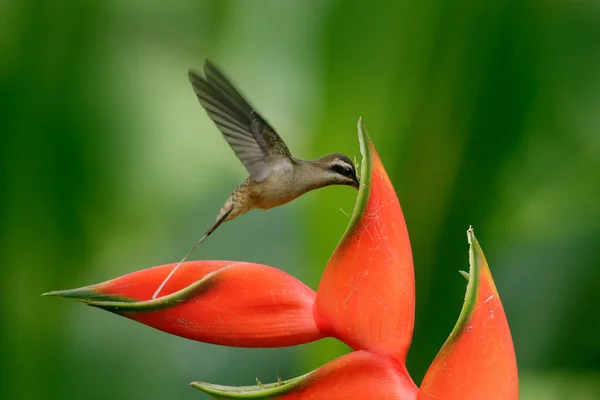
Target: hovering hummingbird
column 276, row 177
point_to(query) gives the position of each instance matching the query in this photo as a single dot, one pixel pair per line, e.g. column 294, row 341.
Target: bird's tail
column 202, row 239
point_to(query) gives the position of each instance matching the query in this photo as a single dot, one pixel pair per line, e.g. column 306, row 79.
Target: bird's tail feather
column 202, row 239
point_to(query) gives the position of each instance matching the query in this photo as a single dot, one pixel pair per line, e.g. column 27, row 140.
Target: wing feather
column 254, row 142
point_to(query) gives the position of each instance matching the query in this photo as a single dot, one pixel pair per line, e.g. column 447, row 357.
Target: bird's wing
column 254, row 142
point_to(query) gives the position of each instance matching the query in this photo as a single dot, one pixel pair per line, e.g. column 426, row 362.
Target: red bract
column 369, row 280
column 479, row 354
column 222, row 302
column 365, row 299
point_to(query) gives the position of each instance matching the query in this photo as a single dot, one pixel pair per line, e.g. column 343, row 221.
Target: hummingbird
column 275, row 176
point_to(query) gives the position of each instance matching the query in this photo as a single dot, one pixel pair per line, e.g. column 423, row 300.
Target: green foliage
column 485, row 113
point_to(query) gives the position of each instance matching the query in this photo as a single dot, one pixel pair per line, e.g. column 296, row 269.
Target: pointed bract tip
column 465, row 274
column 471, row 235
column 364, row 140
column 72, row 294
column 87, row 294
column 361, row 124
column 69, row 294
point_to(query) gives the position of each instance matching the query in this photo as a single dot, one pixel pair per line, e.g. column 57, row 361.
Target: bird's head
column 338, row 169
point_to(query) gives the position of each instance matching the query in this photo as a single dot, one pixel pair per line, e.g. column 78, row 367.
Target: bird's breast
column 275, row 191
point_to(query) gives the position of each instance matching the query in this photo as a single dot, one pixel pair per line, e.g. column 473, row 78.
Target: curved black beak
column 355, row 183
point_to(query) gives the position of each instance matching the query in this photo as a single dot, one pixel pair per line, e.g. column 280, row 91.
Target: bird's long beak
column 355, row 184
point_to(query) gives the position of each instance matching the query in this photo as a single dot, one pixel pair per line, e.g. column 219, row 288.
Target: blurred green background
column 484, row 113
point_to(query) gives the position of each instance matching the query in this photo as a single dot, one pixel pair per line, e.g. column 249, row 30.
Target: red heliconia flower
column 366, row 299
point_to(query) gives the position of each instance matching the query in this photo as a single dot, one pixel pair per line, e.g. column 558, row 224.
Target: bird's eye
column 343, row 170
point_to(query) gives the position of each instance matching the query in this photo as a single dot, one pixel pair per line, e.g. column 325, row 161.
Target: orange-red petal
column 367, row 296
column 358, row 375
column 478, row 359
column 221, row 302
